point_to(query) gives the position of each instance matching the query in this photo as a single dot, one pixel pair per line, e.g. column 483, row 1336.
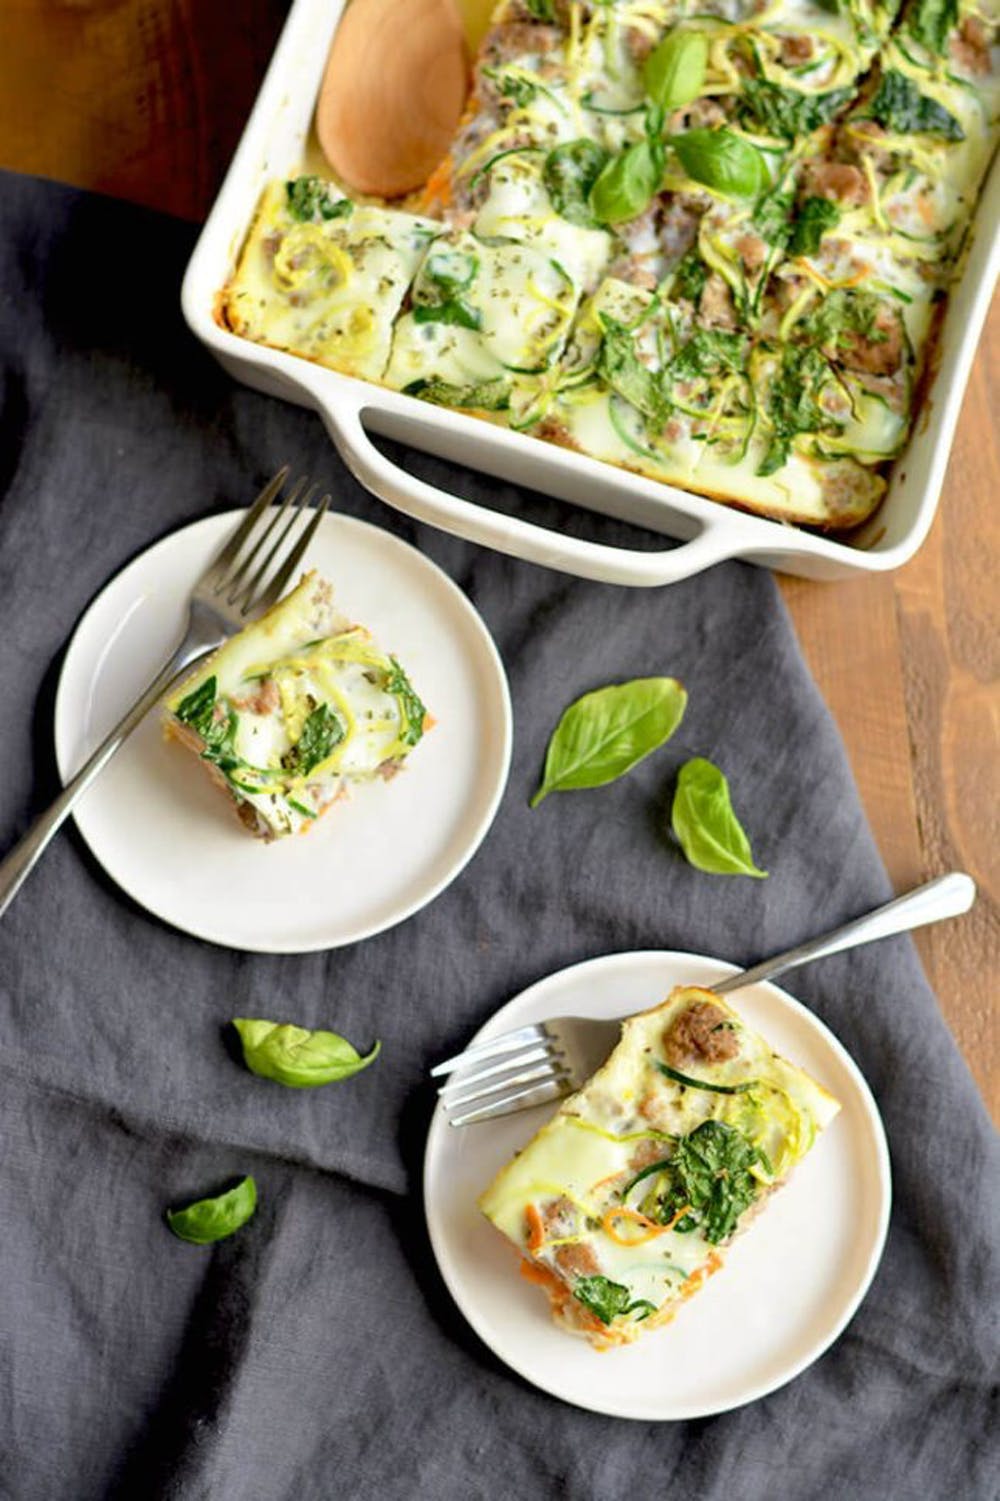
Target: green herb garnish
column 455, row 312
column 297, row 1057
column 901, row 107
column 321, row 734
column 790, row 112
column 608, row 1300
column 218, row 731
column 209, row 1220
column 793, row 403
column 709, row 351
column 690, row 277
column 488, row 396
column 703, row 820
column 628, row 183
column 569, row 174
column 931, row 21
column 674, row 72
column 618, row 364
column 414, row 712
column 604, row 734
column 723, row 161
column 814, row 219
column 310, row 199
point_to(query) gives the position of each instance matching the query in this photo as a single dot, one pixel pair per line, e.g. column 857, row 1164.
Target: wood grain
column 146, row 99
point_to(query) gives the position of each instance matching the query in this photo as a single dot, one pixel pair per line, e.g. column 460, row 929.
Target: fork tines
column 228, row 573
column 519, row 1069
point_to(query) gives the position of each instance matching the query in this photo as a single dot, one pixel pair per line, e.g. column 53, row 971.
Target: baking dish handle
column 509, row 534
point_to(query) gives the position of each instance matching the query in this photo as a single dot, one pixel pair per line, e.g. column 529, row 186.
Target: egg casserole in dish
column 622, row 1204
column 293, row 710
column 705, row 242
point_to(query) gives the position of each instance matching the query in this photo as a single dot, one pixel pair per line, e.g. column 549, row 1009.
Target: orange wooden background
column 146, row 99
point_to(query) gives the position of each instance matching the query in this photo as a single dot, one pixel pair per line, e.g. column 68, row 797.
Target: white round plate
column 167, row 836
column 789, row 1285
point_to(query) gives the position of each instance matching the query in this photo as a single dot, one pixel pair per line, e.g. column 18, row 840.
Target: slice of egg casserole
column 289, row 713
column 622, row 1204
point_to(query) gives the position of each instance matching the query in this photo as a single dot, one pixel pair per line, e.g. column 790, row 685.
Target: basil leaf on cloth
column 297, row 1057
column 208, row 1220
column 604, row 734
column 703, row 820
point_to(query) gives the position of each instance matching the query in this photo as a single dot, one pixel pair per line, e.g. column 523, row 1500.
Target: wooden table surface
column 146, row 99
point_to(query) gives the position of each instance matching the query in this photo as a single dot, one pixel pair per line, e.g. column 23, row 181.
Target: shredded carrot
column 651, row 1228
column 536, row 1230
column 540, row 1275
column 678, row 1216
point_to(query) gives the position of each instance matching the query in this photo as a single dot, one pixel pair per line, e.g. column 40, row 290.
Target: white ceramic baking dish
column 276, row 142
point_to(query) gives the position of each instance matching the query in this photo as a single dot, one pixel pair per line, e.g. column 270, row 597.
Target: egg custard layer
column 621, row 1206
column 289, row 713
column 704, row 242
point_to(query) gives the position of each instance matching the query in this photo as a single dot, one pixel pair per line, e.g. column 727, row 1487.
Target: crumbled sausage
column 639, row 43
column 796, row 49
column 837, row 181
column 716, row 306
column 264, row 700
column 700, row 1034
column 752, row 251
column 577, row 1260
column 971, row 48
column 648, row 1151
column 878, row 353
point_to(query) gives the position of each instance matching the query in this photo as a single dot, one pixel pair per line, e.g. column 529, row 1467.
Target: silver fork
column 230, row 593
column 546, row 1060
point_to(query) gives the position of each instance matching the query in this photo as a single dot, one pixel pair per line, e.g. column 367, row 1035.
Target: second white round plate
column 788, row 1287
column 166, row 835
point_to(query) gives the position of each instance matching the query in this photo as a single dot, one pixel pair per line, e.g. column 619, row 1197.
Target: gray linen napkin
column 317, row 1354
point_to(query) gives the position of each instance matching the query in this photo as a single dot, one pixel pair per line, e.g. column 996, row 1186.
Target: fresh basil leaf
column 813, row 220
column 703, row 820
column 674, row 72
column 488, row 396
column 452, row 270
column 628, row 183
column 901, row 107
column 414, row 712
column 209, row 1220
column 297, row 1057
column 690, row 277
column 708, row 352
column 310, row 198
column 618, row 364
column 455, row 312
column 931, row 21
column 569, row 173
column 608, row 1300
column 604, row 734
column 321, row 734
column 723, row 161
column 790, row 112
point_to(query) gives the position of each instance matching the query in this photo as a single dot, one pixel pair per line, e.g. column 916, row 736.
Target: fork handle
column 17, row 866
column 946, row 896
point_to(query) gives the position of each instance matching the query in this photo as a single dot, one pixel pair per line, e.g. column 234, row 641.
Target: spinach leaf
column 710, row 1173
column 628, row 183
column 674, row 72
column 793, row 403
column 198, row 709
column 618, row 364
column 608, row 1300
column 451, row 270
column 487, row 396
column 772, row 214
column 604, row 734
column 840, row 315
column 723, row 161
column 321, row 734
column 709, row 351
column 703, row 820
column 297, row 1057
column 690, row 277
column 814, row 218
column 569, row 173
column 414, row 712
column 310, row 198
column 902, row 108
column 930, row 22
column 210, row 1220
column 790, row 112
column 454, row 311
